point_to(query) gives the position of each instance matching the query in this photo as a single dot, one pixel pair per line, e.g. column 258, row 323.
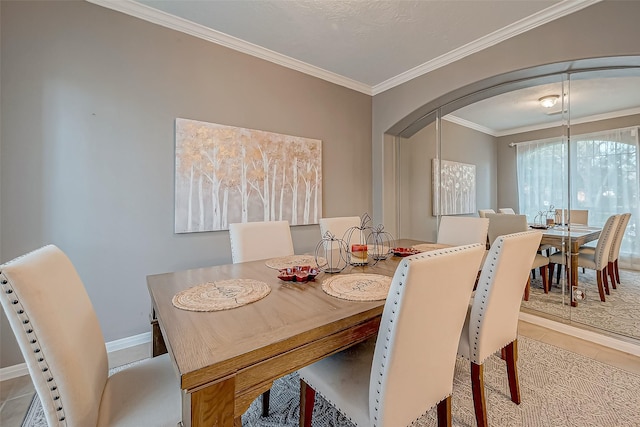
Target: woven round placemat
column 358, row 287
column 425, row 247
column 294, row 260
column 221, row 295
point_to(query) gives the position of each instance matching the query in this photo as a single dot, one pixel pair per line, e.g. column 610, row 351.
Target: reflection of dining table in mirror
column 226, row 359
column 572, row 237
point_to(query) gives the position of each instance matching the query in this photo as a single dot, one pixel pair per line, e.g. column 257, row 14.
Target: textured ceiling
column 371, row 45
column 366, row 41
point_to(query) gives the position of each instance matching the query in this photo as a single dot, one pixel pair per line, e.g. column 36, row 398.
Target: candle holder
column 333, row 253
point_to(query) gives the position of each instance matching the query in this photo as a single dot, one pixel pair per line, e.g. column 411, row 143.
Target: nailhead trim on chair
column 405, row 265
column 483, row 296
column 8, row 292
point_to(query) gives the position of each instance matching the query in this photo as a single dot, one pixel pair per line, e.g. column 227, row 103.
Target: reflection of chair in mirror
column 614, row 254
column 597, row 260
column 62, row 344
column 462, row 230
column 492, row 318
column 482, row 213
column 507, row 211
column 499, row 225
column 251, row 241
column 395, row 378
column 576, row 216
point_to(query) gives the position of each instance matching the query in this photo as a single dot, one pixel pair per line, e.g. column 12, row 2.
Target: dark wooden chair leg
column 444, row 412
column 477, row 386
column 265, row 403
column 615, row 265
column 612, row 275
column 307, row 399
column 605, row 281
column 600, row 287
column 551, row 268
column 512, row 371
column 558, row 273
column 527, row 289
column 545, row 278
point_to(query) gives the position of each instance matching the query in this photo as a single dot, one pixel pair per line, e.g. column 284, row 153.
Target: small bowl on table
column 299, row 273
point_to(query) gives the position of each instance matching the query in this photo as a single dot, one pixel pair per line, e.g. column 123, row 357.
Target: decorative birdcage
column 380, row 243
column 332, row 254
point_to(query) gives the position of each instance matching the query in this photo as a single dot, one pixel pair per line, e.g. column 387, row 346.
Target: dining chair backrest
column 60, row 339
column 415, row 352
column 338, row 226
column 482, row 213
column 619, row 235
column 58, row 333
column 500, row 224
column 493, row 320
column 507, row 211
column 462, row 230
column 605, row 241
column 251, row 241
column 573, row 216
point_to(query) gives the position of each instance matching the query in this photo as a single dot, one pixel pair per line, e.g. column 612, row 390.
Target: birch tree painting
column 454, row 188
column 226, row 174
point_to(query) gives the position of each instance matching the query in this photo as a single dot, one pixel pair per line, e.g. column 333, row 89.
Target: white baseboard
column 21, row 369
column 584, row 334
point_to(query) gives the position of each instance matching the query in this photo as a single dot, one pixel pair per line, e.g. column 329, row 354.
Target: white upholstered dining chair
column 462, row 230
column 338, row 226
column 573, row 216
column 482, row 213
column 499, row 225
column 507, row 211
column 393, row 379
column 614, row 253
column 62, row 344
column 251, row 241
column 492, row 318
column 597, row 259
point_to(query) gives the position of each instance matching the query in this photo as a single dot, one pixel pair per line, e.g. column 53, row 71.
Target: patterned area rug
column 558, row 388
column 620, row 313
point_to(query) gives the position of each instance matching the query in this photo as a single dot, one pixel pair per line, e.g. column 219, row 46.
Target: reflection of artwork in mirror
column 226, row 174
column 457, row 188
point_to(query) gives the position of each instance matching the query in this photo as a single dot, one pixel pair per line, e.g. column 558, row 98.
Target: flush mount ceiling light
column 549, row 100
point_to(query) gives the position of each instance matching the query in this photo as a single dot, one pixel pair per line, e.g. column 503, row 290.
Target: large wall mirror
column 563, row 150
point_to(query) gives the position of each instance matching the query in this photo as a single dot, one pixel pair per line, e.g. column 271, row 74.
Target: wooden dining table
column 226, row 359
column 569, row 238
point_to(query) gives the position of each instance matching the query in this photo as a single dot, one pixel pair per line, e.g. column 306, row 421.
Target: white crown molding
column 549, row 14
column 158, row 17
column 138, row 10
column 496, row 133
column 586, row 119
column 466, row 123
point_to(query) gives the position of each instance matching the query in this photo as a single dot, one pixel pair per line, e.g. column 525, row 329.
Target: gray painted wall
column 608, row 28
column 507, row 175
column 460, row 144
column 89, row 99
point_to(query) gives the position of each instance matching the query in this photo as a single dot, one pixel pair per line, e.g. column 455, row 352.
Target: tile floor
column 16, row 394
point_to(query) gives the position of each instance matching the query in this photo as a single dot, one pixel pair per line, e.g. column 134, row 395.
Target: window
column 597, row 172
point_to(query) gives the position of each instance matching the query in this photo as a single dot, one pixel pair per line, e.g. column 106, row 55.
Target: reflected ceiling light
column 549, row 100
